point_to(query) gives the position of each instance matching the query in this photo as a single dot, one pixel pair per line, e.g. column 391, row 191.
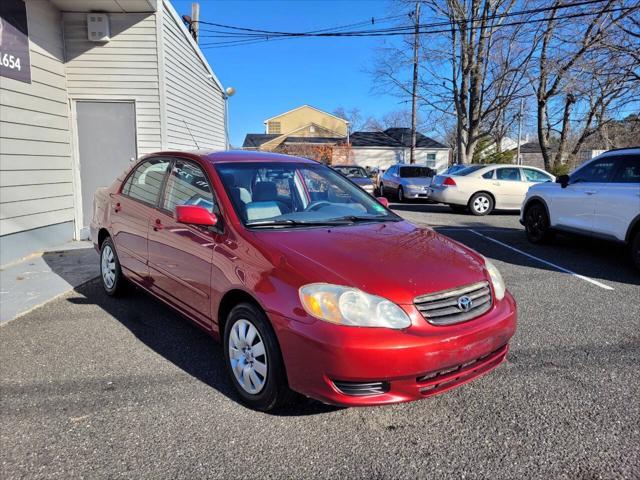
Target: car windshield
column 413, row 172
column 469, row 169
column 352, row 172
column 287, row 195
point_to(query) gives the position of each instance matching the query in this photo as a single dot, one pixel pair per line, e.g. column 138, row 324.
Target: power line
column 386, row 32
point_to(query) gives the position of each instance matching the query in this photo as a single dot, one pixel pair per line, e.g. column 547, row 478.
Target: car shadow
column 178, row 340
column 590, row 257
column 423, row 206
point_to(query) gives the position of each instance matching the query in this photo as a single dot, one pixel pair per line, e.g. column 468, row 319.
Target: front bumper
column 422, row 361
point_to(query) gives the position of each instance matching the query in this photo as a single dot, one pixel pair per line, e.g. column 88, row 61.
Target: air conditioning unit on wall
column 98, row 27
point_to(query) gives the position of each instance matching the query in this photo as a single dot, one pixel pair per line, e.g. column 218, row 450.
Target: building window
column 431, row 160
column 274, row 127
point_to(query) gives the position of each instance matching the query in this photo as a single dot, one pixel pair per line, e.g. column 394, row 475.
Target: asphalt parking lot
column 97, row 387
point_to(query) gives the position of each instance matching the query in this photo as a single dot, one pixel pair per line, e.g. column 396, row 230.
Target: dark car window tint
column 415, row 172
column 596, row 172
column 535, row 176
column 512, row 174
column 187, row 185
column 467, row 170
column 145, row 182
column 488, row 175
column 629, row 171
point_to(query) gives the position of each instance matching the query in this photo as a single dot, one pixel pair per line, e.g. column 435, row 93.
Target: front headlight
column 352, row 307
column 496, row 279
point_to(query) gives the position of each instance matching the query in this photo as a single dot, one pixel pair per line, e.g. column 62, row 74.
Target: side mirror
column 563, row 180
column 194, row 215
column 383, row 201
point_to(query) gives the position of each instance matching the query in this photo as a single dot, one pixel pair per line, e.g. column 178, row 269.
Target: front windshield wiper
column 285, row 222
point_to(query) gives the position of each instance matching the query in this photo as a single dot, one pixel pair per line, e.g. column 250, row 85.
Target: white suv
column 600, row 199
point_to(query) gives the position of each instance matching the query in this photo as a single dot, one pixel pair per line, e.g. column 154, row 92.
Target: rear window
column 469, row 169
column 413, row 172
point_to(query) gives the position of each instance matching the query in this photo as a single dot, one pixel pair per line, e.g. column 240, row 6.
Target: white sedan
column 481, row 188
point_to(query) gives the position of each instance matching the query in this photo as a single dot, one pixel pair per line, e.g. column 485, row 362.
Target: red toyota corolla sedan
column 312, row 285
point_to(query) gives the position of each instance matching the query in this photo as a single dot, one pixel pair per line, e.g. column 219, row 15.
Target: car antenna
column 192, row 137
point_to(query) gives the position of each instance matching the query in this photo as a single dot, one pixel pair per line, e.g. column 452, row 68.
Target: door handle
column 590, row 192
column 496, row 183
column 158, row 225
column 117, row 208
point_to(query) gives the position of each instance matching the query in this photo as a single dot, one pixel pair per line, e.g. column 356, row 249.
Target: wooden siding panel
column 125, row 68
column 29, row 222
column 35, row 153
column 192, row 97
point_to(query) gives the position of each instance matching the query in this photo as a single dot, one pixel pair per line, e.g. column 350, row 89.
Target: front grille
column 362, row 388
column 442, row 308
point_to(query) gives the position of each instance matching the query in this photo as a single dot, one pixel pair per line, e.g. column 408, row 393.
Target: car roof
column 620, row 151
column 233, row 156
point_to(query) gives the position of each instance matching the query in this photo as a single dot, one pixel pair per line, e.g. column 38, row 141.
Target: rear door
column 618, row 202
column 180, row 256
column 508, row 187
column 132, row 208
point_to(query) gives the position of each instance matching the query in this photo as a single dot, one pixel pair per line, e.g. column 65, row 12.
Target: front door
column 106, row 145
column 180, row 256
column 575, row 205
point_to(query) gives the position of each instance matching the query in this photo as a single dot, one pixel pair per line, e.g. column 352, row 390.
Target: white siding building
column 88, row 107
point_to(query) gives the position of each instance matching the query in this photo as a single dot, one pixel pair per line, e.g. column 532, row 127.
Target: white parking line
column 557, row 267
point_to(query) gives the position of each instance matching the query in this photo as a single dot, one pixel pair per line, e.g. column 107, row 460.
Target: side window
column 598, row 171
column 629, row 171
column 535, row 176
column 145, row 182
column 512, row 174
column 431, row 160
column 187, row 185
column 488, row 175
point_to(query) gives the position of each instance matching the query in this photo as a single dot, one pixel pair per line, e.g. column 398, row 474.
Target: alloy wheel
column 481, row 204
column 248, row 356
column 108, row 267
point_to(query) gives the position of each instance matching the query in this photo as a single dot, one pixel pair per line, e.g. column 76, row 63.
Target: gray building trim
column 18, row 245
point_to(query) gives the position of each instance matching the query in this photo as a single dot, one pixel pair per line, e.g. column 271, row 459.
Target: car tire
column 400, row 195
column 481, row 204
column 537, row 225
column 635, row 249
column 110, row 271
column 253, row 359
column 458, row 208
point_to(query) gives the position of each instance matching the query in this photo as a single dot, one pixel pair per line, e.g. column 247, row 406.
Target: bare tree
column 472, row 73
column 353, row 116
column 586, row 72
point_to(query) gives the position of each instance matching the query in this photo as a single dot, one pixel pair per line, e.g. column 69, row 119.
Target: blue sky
column 274, row 77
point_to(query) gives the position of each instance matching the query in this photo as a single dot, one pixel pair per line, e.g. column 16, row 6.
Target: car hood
column 419, row 181
column 396, row 260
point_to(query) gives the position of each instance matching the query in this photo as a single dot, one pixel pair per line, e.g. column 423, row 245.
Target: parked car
column 378, row 179
column 357, row 175
column 481, row 188
column 405, row 181
column 280, row 257
column 600, row 199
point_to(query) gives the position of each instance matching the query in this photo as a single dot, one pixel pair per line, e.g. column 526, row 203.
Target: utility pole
column 414, row 97
column 195, row 17
column 518, row 161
